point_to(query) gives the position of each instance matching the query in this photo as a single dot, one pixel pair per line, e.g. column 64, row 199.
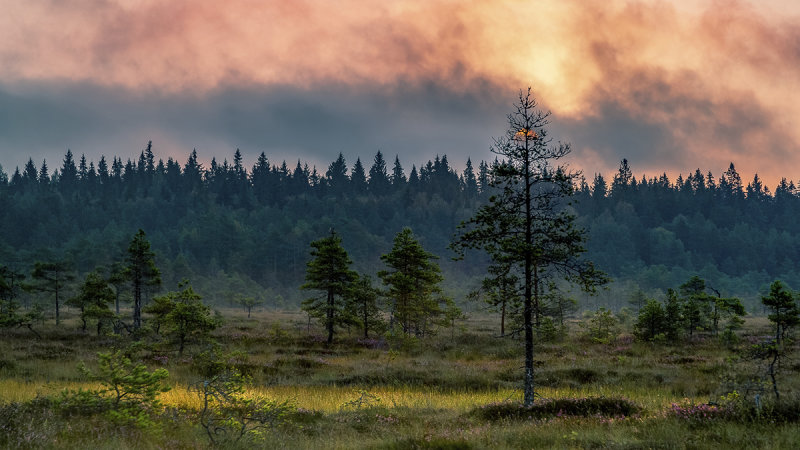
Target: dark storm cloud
column 414, row 120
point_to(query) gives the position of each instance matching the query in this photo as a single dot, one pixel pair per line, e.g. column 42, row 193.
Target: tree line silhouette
column 231, row 228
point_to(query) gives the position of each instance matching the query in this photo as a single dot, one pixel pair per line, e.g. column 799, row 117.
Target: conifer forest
column 382, row 303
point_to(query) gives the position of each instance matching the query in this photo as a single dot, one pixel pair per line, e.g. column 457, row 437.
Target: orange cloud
column 718, row 80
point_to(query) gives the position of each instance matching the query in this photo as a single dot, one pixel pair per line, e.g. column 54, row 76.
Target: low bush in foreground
column 736, row 409
column 586, row 407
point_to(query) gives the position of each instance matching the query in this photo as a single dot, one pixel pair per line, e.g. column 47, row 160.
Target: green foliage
column 183, row 316
column 673, row 316
column 729, row 336
column 364, row 306
column 784, row 310
column 550, row 331
column 502, row 292
column 450, row 314
column 229, row 415
column 651, row 322
column 93, row 301
column 557, row 305
column 413, row 284
column 53, row 277
column 141, row 272
column 601, row 326
column 696, row 305
column 130, row 391
column 785, row 315
column 216, row 225
column 10, row 283
column 329, row 272
column 248, row 303
column 10, row 315
column 638, row 299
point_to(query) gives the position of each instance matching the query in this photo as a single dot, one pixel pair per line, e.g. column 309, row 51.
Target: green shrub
column 548, row 331
column 430, row 442
column 28, row 424
column 129, row 395
column 228, row 415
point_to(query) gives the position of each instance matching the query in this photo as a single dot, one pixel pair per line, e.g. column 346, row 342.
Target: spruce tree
column 44, row 174
column 336, row 176
column 30, row 175
column 93, row 299
column 69, row 173
column 142, row 273
column 470, row 181
column 651, row 321
column 358, row 178
column 329, row 272
column 413, row 279
column 378, row 177
column 398, row 177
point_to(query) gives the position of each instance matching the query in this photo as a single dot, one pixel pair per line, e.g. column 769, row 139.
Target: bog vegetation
column 106, row 341
column 269, row 380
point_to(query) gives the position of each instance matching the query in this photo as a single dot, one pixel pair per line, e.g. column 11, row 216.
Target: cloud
column 415, row 121
column 669, row 85
column 199, row 44
column 690, row 91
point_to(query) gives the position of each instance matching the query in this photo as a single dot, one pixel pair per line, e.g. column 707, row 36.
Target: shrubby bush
column 129, row 394
column 229, row 414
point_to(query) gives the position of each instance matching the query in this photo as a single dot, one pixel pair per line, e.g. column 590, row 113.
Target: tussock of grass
column 585, row 407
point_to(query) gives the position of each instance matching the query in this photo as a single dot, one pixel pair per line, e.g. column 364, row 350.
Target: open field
column 415, row 393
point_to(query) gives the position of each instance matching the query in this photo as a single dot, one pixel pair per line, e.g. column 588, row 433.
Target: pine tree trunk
column 366, row 322
column 137, row 304
column 529, row 392
column 329, row 321
column 503, row 318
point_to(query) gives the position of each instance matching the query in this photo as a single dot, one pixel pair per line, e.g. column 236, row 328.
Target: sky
column 671, row 86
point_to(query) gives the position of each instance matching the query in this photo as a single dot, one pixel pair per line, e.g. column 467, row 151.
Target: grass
column 415, row 393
